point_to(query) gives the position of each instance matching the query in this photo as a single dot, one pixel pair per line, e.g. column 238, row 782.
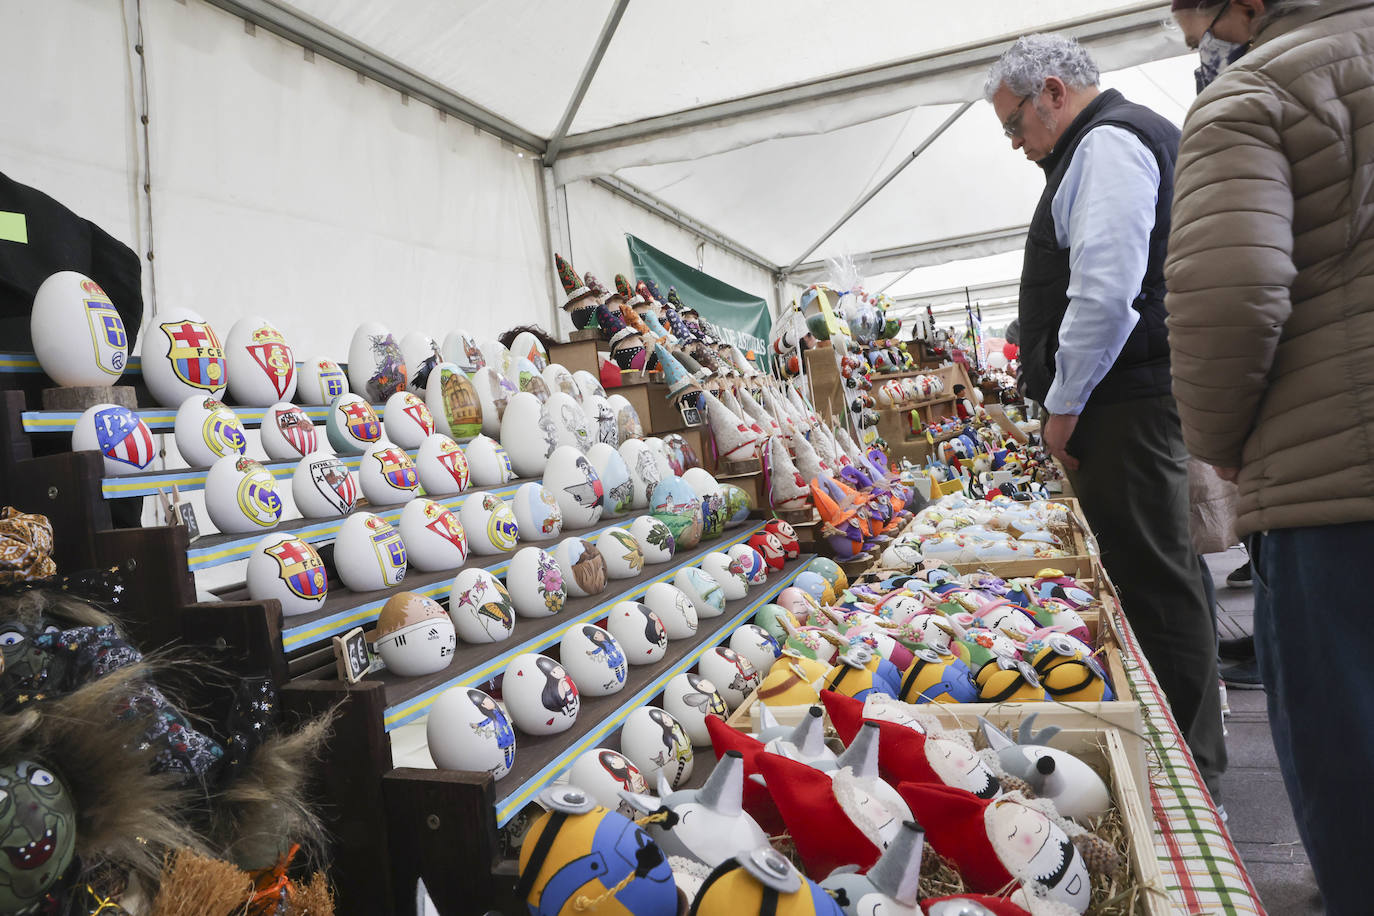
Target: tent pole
column 556, row 238
column 863, row 201
column 603, row 41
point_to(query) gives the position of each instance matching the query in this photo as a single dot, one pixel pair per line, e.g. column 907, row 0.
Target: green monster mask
column 37, row 833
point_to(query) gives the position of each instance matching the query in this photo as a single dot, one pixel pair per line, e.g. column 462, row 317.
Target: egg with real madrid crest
column 406, row 420
column 433, row 536
column 415, row 636
column 183, row 356
column 287, row 432
column 206, row 430
column 369, row 553
column 352, row 425
column 387, row 474
column 241, row 495
column 120, row 435
column 535, row 583
column 323, row 487
column 321, row 381
column 261, row 364
column 575, row 485
column 490, row 524
column 78, row 335
column 480, row 607
column 442, row 466
column 284, row 567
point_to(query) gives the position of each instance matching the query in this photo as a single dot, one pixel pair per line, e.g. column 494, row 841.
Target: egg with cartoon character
column 627, row 422
column 681, row 455
column 674, row 608
column 494, row 392
column 124, row 441
column 497, row 355
column 639, row 630
column 603, row 774
column 206, row 430
column 660, row 452
column 488, row 463
column 753, row 643
column 657, row 744
column 480, row 607
column 489, row 523
column 767, row 545
column 368, row 553
column 569, row 421
column 527, row 346
column 287, row 432
column 261, row 365
column 415, row 636
column 535, row 583
column 703, row 590
column 583, row 567
column 541, row 697
column 241, row 495
column 644, row 474
column 452, row 401
column 352, row 425
column 182, row 356
column 323, row 487
column 751, row 563
column 621, row 552
column 536, row 511
column 321, row 381
column 655, row 539
column 594, row 660
column 786, row 535
column 433, row 536
column 284, row 567
column 575, row 485
column 442, row 466
column 461, row 349
column 376, row 367
column 467, row 730
column 601, row 421
column 727, row 573
column 615, row 479
column 690, row 698
column 39, row 821
column 732, row 674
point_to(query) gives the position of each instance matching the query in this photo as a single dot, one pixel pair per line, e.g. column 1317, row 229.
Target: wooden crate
column 577, row 354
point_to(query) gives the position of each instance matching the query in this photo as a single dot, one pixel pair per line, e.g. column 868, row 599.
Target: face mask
column 1216, row 55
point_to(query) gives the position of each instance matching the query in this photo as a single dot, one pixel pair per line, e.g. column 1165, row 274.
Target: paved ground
column 1261, row 820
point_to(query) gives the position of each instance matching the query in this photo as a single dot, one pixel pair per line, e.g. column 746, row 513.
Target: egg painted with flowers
column 535, row 583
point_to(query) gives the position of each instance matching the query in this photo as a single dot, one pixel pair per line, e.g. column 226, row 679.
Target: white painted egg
column 496, row 355
column 540, row 696
column 588, row 384
column 433, row 536
column 488, row 463
column 376, row 368
column 674, row 608
column 655, row 539
column 368, row 553
column 322, row 487
column 527, row 346
column 569, row 421
column 690, row 698
column 654, row 741
column 638, row 630
column 468, row 730
column 525, row 377
column 558, row 378
column 732, row 674
column 616, row 486
column 182, row 356
column 575, row 485
column 536, row 512
column 453, row 402
column 594, row 659
column 119, row 434
column 261, row 364
column 78, row 336
column 320, row 381
column 287, row 432
column 241, row 495
column 644, row 472
column 721, row 568
column 480, row 608
column 704, row 591
column 621, row 553
column 284, row 567
column 352, row 425
column 406, row 420
column 419, row 352
column 601, row 420
column 206, row 430
column 493, row 393
column 659, row 449
column 750, row 562
column 535, row 583
column 583, row 567
column 603, row 774
column 387, row 475
column 414, row 635
column 460, row 348
column 522, row 436
column 489, row 524
column 442, row 466
column 752, row 642
column 627, row 422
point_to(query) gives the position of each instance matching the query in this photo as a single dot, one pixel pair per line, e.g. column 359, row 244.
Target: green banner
column 741, row 318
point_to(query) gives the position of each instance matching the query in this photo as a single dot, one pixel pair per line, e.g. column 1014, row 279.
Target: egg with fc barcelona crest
column 182, row 356
column 387, row 474
column 284, row 567
column 352, row 425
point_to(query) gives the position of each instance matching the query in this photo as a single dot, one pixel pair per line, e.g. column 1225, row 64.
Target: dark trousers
column 1132, row 483
column 1314, row 638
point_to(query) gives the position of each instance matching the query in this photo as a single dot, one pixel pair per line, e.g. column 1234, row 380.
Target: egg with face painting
column 442, row 466
column 541, row 697
column 594, row 660
column 786, row 535
column 415, row 636
column 603, row 773
column 655, row 539
column 655, row 743
column 480, row 608
column 767, row 545
column 287, row 433
column 468, row 730
column 535, row 583
column 576, row 486
column 536, row 512
column 601, row 420
column 583, row 567
column 690, row 698
column 639, row 630
column 674, row 608
column 489, row 524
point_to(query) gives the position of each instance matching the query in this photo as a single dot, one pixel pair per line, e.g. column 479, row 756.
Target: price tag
column 352, row 655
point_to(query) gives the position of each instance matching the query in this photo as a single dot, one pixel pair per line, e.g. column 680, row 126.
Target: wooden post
column 65, row 488
column 157, row 585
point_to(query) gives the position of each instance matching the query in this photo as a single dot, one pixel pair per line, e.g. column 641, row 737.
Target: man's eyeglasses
column 1011, row 127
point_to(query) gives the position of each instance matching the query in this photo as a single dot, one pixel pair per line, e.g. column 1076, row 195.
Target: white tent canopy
column 320, row 156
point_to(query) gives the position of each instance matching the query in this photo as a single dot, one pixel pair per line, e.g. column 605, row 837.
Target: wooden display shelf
column 657, row 413
column 161, row 419
column 577, row 354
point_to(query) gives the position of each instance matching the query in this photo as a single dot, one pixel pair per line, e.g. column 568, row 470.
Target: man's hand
column 1056, row 434
column 1228, row 474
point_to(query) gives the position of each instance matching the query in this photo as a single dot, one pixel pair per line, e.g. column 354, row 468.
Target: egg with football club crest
column 461, row 349
column 415, row 636
column 569, row 421
column 639, row 631
column 284, row 567
column 78, row 335
column 241, row 495
column 387, row 474
column 352, row 425
column 575, row 485
column 522, row 436
column 480, row 607
column 621, row 553
column 467, row 730
column 494, row 391
column 583, row 567
column 703, row 590
column 732, row 674
column 453, row 402
column 656, row 743
column 603, row 774
column 406, row 420
column 320, row 381
column 627, row 422
column 376, row 367
column 287, row 432
column 488, row 463
column 433, row 536
column 755, row 644
column 368, row 553
column 727, row 573
column 751, row 562
column 323, row 487
column 182, row 356
column 675, row 609
column 261, row 364
column 537, row 512
column 594, row 660
column 655, row 539
column 120, row 435
column 535, row 583
column 541, row 697
column 489, row 524
column 690, row 698
column 442, row 466
column 206, row 430
column 616, row 484
column 644, row 475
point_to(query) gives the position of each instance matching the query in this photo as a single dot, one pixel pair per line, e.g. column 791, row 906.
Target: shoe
column 1239, row 578
column 1225, row 703
column 1242, row 676
column 1239, row 649
column 1221, row 812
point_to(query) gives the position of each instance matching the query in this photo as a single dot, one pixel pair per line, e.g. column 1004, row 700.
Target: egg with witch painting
column 376, row 368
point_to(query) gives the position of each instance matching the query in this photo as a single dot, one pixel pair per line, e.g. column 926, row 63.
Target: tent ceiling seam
column 603, row 41
column 1008, row 237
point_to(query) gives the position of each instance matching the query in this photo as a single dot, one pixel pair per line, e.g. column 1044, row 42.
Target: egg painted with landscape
column 489, row 524
column 406, row 420
column 480, row 608
column 536, row 512
column 674, row 608
column 460, row 348
column 376, row 367
column 525, row 377
column 737, row 505
column 442, row 466
column 287, row 432
column 594, row 660
column 261, row 364
column 541, row 697
column 522, row 435
column 284, row 567
column 182, row 356
column 583, row 567
column 206, row 430
column 352, row 425
column 322, row 487
column 616, row 485
column 575, row 485
column 320, row 381
column 621, row 553
column 535, row 583
column 675, row 504
column 493, row 393
column 78, row 335
column 241, row 495
column 433, row 536
column 369, row 553
column 488, row 462
column 387, row 474
column 655, row 539
column 453, row 402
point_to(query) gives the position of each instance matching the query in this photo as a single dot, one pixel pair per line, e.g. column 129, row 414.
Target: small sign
column 691, row 415
column 352, row 655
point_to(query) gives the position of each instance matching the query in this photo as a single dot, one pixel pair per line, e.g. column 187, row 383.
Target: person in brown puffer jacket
column 1271, row 324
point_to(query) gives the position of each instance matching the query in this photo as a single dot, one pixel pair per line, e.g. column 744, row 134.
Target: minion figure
column 759, row 882
column 1069, row 671
column 932, row 678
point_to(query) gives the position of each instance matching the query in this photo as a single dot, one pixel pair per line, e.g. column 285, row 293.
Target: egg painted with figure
column 352, row 425
column 480, row 607
column 681, row 455
column 433, row 536
column 753, row 643
column 78, row 334
column 527, row 346
column 644, row 475
column 415, row 636
column 534, row 582
column 786, row 535
column 575, row 485
column 541, row 697
column 206, row 430
column 387, row 474
column 569, row 421
column 496, row 354
column 368, row 553
column 727, row 573
column 615, row 479
column 603, row 774
column 442, row 466
column 583, row 567
column 594, row 660
column 260, row 363
column 750, row 562
column 284, row 567
column 588, row 384
column 522, row 435
column 287, row 432
column 767, row 546
column 536, row 512
column 376, row 366
column 815, row 586
column 737, row 505
column 657, row 744
column 183, row 356
column 627, row 422
column 621, row 552
column 558, row 378
column 320, row 381
column 675, row 609
column 494, row 392
column 489, row 523
column 461, row 349
column 452, row 401
column 690, row 698
column 488, row 463
column 241, row 495
column 774, row 620
column 703, row 590
column 655, row 539
column 467, row 730
column 406, row 420
column 639, row 630
column 323, row 487
column 675, row 504
column 601, row 420
column 732, row 674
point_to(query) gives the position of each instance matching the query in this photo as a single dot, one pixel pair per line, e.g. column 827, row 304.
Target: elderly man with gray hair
column 1095, row 353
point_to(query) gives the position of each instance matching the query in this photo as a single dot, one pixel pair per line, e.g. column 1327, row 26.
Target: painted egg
column 433, row 536
column 488, row 463
column 542, row 699
column 712, row 500
column 603, row 774
column 737, row 505
column 287, row 432
column 352, row 425
column 480, row 608
column 601, row 420
column 322, row 487
column 493, row 393
column 182, row 356
column 569, row 421
column 421, row 353
column 527, row 346
column 489, row 524
column 752, row 643
column 522, row 435
column 241, row 495
column 468, row 730
column 387, row 475
column 655, row 539
column 654, row 741
column 442, row 466
column 616, row 485
column 704, row 591
column 206, row 430
column 675, row 504
column 583, row 567
column 786, row 535
column 260, row 363
column 575, row 485
column 558, row 378
column 376, row 368
column 497, row 355
column 627, row 422
column 690, row 698
column 771, row 616
column 284, row 567
column 368, row 553
column 727, row 573
column 535, row 583
column 674, row 608
column 414, row 635
column 639, row 630
column 536, row 512
column 751, row 563
column 588, row 384
column 815, row 586
column 525, row 377
column 594, row 659
column 460, row 348
column 659, row 451
column 97, row 351
column 621, row 552
column 406, row 420
column 681, row 455
column 644, row 476
column 732, row 674
column 453, row 402
column 767, row 545
column 321, row 381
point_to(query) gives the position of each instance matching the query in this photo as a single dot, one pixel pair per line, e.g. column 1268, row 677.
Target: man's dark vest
column 1142, row 368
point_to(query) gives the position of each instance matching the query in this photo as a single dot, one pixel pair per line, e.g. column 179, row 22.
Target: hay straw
column 193, row 883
